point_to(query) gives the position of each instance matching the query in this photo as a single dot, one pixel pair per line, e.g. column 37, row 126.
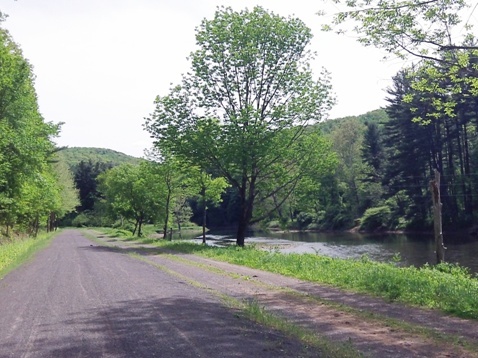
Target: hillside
column 73, row 156
column 378, row 116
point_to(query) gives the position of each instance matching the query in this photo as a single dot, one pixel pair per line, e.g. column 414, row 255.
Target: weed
column 13, row 253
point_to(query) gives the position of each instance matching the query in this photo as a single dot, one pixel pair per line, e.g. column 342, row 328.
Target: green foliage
column 91, row 219
column 176, row 177
column 422, row 29
column 245, row 103
column 376, row 218
column 445, row 287
column 68, row 193
column 74, row 155
column 82, row 220
column 433, row 104
column 29, row 189
column 134, row 193
column 86, row 180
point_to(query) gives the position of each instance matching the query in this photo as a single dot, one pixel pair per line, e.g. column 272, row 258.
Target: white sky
column 99, row 64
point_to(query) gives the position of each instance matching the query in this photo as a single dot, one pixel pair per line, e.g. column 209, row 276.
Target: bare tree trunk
column 140, row 223
column 166, row 218
column 437, row 222
column 51, row 222
column 179, row 230
column 204, row 213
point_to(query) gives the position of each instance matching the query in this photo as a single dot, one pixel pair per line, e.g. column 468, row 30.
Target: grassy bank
column 446, row 287
column 14, row 253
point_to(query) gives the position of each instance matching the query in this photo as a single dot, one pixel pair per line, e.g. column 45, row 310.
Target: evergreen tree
column 86, row 174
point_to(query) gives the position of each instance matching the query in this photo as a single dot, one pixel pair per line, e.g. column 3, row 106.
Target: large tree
column 244, row 104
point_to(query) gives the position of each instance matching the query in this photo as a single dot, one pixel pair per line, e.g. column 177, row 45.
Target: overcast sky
column 99, row 64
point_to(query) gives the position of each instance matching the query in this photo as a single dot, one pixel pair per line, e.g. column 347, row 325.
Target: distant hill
column 73, row 156
column 379, row 116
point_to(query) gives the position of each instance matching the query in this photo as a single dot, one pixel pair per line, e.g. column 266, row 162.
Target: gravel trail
column 78, row 299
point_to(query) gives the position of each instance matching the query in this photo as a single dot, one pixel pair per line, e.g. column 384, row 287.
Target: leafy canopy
column 246, row 101
column 438, row 33
column 420, row 28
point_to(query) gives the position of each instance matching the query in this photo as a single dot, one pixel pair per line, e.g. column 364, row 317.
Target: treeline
column 35, row 187
column 379, row 170
column 386, row 163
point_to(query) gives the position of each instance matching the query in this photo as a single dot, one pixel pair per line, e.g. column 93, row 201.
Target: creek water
column 412, row 249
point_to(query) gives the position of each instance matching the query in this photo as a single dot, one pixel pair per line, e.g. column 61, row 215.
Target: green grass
column 446, row 287
column 16, row 252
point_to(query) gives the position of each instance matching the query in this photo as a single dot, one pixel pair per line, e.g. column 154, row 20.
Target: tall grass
column 446, row 287
column 13, row 253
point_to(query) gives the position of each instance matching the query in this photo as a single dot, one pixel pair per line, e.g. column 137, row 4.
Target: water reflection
column 413, row 249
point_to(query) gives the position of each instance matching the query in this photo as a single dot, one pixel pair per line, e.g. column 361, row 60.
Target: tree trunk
column 437, row 222
column 166, row 219
column 241, row 232
column 246, row 202
column 35, row 226
column 204, row 217
column 469, row 207
column 51, row 222
column 179, row 230
column 140, row 223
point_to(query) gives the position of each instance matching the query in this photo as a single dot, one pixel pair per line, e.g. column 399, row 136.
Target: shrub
column 81, row 220
column 305, row 219
column 376, row 218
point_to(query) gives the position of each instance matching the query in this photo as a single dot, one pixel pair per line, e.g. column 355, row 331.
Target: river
column 412, row 249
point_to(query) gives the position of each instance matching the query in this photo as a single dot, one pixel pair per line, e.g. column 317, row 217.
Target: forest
column 245, row 140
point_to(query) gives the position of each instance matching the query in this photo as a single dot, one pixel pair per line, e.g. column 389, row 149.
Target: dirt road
column 80, row 298
column 76, row 299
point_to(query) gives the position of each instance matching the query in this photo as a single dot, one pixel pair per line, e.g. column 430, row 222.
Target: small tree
column 134, row 192
column 208, row 190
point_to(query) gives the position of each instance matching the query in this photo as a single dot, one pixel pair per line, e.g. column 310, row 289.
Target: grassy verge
column 446, row 287
column 14, row 253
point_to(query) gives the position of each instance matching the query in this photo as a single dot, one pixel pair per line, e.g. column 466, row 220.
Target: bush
column 376, row 218
column 305, row 219
column 81, row 220
column 91, row 219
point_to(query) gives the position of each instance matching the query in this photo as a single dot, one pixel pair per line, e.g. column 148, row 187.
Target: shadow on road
column 174, row 327
column 126, row 250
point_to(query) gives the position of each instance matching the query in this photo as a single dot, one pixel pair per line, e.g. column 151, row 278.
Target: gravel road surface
column 78, row 299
